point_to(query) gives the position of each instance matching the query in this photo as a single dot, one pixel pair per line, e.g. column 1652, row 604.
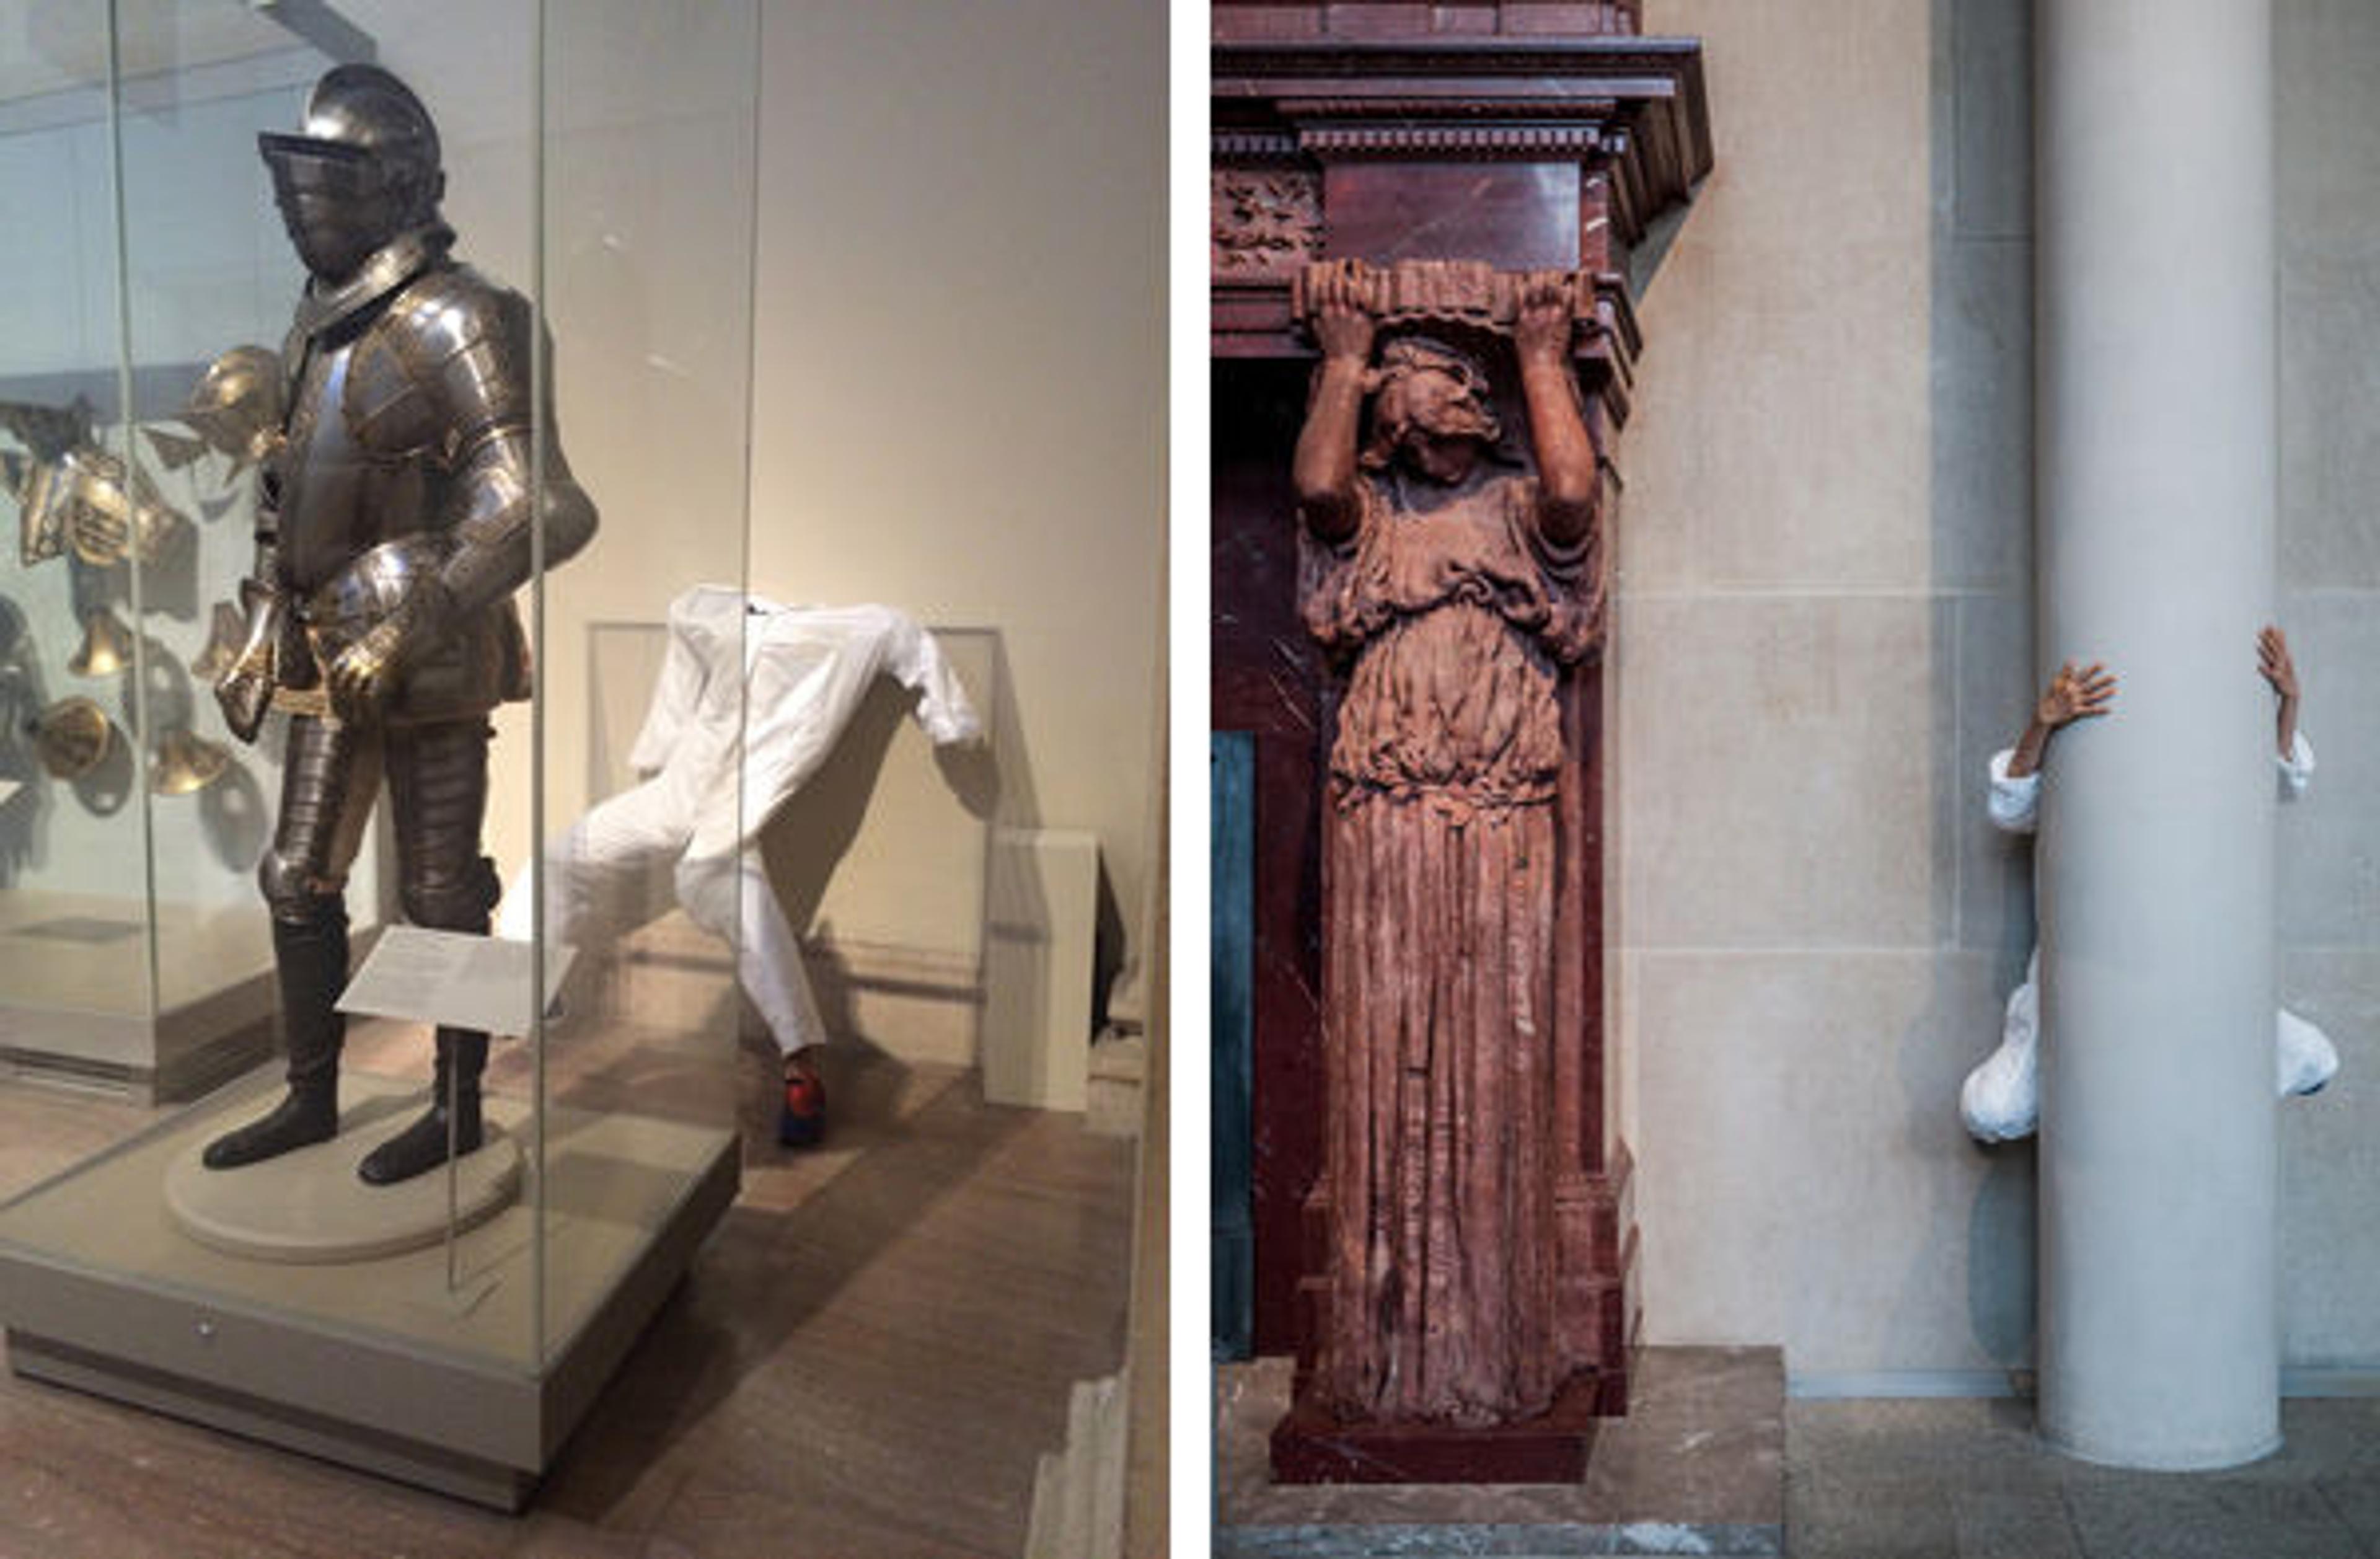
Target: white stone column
column 2154, row 323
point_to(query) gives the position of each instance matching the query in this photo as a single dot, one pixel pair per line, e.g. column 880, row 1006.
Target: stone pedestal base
column 308, row 1207
column 1696, row 1467
column 1311, row 1447
column 463, row 1371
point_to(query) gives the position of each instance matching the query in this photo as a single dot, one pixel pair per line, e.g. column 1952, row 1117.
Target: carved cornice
column 1637, row 101
column 1409, row 19
column 1464, row 142
column 1252, row 148
column 1629, row 112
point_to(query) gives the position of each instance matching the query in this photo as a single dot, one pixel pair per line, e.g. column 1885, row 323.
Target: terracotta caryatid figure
column 1453, row 581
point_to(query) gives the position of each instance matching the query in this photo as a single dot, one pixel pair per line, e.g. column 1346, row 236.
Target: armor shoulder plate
column 447, row 365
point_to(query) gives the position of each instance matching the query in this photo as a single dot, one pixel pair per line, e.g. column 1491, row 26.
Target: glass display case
column 451, row 1326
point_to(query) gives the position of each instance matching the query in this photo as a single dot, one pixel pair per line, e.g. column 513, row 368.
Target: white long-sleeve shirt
column 805, row 671
column 2015, row 802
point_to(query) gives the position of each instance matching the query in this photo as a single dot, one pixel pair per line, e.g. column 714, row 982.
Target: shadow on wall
column 235, row 819
column 1981, row 468
column 21, row 701
column 855, row 969
column 810, row 834
column 1106, row 948
column 911, row 911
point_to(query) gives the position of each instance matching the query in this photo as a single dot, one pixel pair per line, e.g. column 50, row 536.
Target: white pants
column 625, row 864
column 2000, row 1101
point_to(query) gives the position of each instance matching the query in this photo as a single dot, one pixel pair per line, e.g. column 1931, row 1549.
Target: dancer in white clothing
column 721, row 748
column 2001, row 1099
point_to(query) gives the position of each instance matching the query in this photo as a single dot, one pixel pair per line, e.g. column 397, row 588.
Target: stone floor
column 1929, row 1479
column 868, row 1359
column 1964, row 1478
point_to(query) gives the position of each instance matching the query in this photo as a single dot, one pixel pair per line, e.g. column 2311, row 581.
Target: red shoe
column 802, row 1119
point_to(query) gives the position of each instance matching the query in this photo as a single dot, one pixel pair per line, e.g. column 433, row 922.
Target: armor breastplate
column 357, row 469
column 365, row 475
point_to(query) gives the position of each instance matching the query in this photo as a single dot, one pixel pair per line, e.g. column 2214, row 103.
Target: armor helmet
column 364, row 169
column 71, row 736
column 185, row 762
column 107, row 646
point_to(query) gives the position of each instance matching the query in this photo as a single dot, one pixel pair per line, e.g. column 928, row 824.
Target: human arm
column 2280, row 672
column 1568, row 480
column 2071, row 695
column 1324, row 469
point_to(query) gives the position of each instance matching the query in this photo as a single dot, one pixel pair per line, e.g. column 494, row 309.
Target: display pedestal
column 465, row 1377
column 75, row 1011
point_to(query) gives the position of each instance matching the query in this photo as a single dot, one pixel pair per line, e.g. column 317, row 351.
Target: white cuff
column 2295, row 770
column 2015, row 801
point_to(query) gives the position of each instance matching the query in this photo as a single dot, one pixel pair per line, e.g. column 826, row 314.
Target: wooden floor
column 867, row 1359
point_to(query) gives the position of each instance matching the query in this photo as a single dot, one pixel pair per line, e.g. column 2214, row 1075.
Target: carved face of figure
column 1443, row 427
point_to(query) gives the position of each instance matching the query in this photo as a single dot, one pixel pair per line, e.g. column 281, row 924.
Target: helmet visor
column 330, row 170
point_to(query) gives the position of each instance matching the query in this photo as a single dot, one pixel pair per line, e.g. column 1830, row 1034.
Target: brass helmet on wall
column 107, row 646
column 186, row 761
column 71, row 736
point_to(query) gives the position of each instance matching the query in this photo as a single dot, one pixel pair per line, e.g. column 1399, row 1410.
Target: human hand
column 2273, row 660
column 2075, row 695
column 1542, row 323
column 1339, row 309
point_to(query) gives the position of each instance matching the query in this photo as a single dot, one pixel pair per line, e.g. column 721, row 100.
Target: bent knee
column 461, row 901
column 292, row 891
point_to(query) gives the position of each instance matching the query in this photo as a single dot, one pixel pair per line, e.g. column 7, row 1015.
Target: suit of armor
column 396, row 521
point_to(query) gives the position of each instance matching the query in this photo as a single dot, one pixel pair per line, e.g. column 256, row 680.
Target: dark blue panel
column 1232, row 775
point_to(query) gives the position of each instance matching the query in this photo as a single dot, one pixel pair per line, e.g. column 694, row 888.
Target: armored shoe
column 304, row 1116
column 421, row 1147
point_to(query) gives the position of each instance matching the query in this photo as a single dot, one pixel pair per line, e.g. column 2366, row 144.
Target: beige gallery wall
column 948, row 307
column 959, row 368
column 1827, row 627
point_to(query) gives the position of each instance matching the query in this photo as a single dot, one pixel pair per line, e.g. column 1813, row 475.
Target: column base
column 1309, row 1445
column 2210, row 1459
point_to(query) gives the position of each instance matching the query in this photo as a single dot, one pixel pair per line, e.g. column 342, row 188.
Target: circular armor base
column 309, row 1208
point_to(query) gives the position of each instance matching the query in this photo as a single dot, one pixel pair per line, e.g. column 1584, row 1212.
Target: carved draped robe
column 1438, row 908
